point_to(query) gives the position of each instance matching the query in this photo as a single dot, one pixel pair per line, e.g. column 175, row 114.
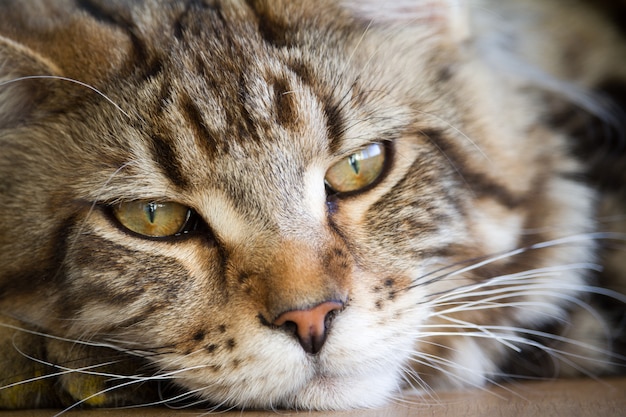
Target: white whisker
column 568, row 240
column 74, row 341
column 166, row 401
column 458, row 131
column 56, row 77
column 440, row 365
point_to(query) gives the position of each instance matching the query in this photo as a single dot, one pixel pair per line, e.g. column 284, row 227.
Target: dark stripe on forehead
column 302, row 71
column 272, row 28
column 180, row 22
column 153, row 67
column 204, row 137
column 479, row 182
column 335, row 121
column 285, row 104
column 166, row 158
column 240, row 116
column 335, row 124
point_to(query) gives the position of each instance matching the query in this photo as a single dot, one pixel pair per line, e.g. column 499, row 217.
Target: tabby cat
column 305, row 204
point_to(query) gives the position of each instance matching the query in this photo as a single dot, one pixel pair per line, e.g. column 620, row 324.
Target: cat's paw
column 26, row 381
column 99, row 377
column 38, row 371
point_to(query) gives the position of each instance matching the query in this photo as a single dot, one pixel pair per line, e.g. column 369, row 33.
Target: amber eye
column 358, row 170
column 153, row 219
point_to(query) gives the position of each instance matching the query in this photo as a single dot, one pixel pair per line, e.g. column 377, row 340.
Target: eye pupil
column 151, row 209
column 354, row 163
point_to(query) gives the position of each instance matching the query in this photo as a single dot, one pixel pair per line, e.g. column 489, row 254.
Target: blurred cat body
column 477, row 235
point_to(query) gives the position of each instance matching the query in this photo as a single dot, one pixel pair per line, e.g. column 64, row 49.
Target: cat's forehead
column 225, row 95
column 221, row 116
column 246, row 110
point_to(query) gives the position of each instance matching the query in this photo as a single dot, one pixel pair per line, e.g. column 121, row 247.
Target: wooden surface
column 566, row 398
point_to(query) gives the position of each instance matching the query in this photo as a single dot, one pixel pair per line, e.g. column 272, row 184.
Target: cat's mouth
column 357, row 367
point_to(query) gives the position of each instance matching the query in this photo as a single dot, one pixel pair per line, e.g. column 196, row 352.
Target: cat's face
column 242, row 161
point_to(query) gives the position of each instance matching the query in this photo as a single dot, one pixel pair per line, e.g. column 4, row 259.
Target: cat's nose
column 311, row 326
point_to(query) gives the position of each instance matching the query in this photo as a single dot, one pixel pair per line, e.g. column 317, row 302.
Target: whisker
column 585, row 237
column 515, row 338
column 457, row 130
column 56, row 77
column 521, row 288
column 94, row 204
column 167, row 401
column 101, row 392
column 514, row 335
column 439, row 364
column 84, row 342
column 132, row 379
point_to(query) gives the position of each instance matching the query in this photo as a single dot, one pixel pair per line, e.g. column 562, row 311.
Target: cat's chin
column 310, row 385
column 341, row 393
column 322, row 393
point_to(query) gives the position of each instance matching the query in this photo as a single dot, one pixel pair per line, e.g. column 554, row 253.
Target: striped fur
column 472, row 258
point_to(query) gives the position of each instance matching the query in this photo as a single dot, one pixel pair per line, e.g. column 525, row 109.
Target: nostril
column 289, row 327
column 311, row 325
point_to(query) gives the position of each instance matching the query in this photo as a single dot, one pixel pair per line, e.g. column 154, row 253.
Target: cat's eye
column 153, row 219
column 357, row 171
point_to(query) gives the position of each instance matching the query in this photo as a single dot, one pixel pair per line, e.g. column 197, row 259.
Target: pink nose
column 311, row 325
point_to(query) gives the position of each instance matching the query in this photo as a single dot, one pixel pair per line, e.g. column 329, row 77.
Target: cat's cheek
column 110, row 280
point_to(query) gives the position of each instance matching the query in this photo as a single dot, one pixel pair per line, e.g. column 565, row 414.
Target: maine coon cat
column 305, row 204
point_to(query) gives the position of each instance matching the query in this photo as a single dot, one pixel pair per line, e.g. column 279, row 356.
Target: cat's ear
column 22, row 86
column 449, row 19
column 48, row 52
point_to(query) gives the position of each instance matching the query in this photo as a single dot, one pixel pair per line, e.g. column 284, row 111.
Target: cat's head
column 282, row 203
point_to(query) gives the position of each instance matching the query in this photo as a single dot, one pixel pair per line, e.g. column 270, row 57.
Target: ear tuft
column 449, row 18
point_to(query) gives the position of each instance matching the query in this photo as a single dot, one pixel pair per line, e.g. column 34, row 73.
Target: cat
column 306, row 204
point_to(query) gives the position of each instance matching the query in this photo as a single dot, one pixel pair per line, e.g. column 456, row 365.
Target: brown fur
column 236, row 109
